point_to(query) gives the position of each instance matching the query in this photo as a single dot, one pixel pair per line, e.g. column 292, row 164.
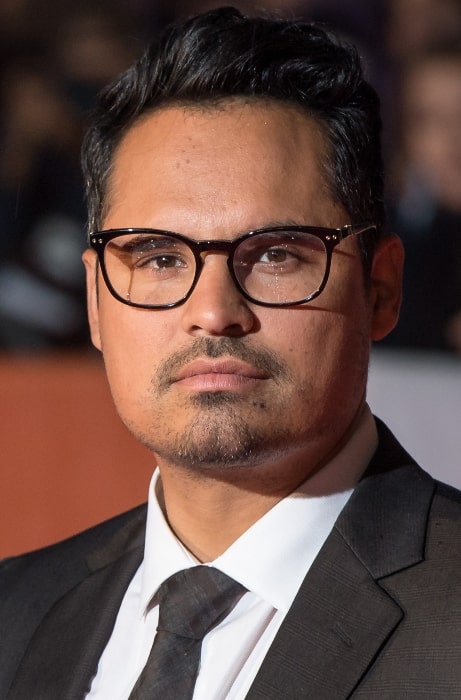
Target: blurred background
column 67, row 462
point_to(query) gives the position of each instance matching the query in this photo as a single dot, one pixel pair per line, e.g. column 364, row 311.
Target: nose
column 216, row 306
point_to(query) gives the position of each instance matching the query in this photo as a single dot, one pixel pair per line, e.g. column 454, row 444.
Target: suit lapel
column 342, row 615
column 63, row 655
column 338, row 621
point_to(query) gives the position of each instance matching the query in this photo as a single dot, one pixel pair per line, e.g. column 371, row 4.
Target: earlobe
column 386, row 285
column 91, row 267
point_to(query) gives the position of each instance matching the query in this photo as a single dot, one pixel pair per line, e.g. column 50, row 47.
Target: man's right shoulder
column 59, row 566
column 31, row 584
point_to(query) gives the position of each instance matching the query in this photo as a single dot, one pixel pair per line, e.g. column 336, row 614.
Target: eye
column 278, row 255
column 273, row 255
column 292, row 255
column 159, row 261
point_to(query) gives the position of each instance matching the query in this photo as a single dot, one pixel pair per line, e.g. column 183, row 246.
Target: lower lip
column 217, row 382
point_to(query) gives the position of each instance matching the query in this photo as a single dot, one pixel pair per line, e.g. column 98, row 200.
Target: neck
column 209, row 510
column 209, row 514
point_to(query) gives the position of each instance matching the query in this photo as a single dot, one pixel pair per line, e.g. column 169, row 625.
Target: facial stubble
column 225, row 429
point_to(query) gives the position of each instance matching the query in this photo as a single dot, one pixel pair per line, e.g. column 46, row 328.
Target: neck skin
column 208, row 512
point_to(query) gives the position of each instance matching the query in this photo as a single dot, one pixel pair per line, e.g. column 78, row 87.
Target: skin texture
column 238, row 402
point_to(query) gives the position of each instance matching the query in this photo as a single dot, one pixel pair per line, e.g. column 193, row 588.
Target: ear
column 386, row 285
column 90, row 261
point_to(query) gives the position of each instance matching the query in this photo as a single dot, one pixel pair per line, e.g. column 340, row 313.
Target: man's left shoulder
column 449, row 496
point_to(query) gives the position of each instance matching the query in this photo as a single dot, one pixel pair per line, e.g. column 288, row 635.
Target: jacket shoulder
column 30, row 583
column 72, row 548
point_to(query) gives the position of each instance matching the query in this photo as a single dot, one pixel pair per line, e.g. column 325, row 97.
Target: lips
column 218, row 373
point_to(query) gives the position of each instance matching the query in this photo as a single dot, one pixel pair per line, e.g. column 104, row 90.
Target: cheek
column 133, row 342
column 327, row 352
column 129, row 331
column 327, row 330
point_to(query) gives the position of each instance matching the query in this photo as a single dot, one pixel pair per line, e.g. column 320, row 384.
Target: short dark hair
column 221, row 55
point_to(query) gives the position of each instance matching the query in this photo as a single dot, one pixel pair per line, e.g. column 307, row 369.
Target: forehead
column 238, row 156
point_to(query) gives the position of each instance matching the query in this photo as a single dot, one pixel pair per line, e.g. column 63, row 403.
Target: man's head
column 219, row 380
column 220, row 56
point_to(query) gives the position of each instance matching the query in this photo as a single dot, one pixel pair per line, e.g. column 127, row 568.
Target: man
column 238, row 270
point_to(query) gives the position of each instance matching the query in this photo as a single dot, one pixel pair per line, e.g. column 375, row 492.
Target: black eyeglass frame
column 330, row 237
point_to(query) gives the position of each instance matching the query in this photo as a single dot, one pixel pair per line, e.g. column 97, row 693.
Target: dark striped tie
column 191, row 603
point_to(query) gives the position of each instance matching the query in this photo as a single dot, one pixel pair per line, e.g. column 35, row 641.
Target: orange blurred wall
column 67, row 461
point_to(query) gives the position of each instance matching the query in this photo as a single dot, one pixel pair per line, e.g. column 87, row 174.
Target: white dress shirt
column 270, row 559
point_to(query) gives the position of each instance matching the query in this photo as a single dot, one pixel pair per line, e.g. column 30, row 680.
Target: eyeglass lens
column 272, row 267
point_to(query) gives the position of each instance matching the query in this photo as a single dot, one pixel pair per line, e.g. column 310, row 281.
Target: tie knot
column 193, row 601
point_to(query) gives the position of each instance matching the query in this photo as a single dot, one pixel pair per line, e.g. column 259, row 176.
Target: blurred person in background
column 415, row 25
column 41, row 211
column 55, row 59
column 94, row 43
column 426, row 199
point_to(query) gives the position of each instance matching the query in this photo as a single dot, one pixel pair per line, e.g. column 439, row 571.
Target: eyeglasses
column 279, row 266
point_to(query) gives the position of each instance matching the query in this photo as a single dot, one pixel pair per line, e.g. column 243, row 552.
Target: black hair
column 222, row 55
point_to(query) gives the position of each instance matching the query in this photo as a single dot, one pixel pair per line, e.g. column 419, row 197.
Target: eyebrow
column 142, row 240
column 274, row 223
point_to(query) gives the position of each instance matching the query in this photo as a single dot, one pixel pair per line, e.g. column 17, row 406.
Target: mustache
column 239, row 348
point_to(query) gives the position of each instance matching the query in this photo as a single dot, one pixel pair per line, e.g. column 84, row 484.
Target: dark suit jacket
column 377, row 617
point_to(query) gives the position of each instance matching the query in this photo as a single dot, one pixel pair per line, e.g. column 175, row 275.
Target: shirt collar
column 273, row 556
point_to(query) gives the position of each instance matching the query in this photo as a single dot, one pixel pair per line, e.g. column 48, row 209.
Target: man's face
column 220, row 382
